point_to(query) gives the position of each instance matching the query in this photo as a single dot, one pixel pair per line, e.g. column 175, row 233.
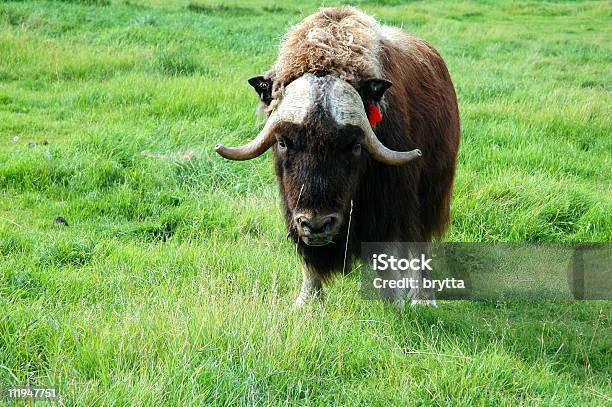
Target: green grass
column 173, row 282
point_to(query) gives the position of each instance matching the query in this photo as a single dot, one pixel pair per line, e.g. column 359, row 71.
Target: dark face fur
column 319, row 161
column 318, row 166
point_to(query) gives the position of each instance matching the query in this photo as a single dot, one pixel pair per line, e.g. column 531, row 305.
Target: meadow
column 172, row 282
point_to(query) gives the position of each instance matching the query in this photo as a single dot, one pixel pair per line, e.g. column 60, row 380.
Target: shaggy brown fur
column 340, row 41
column 391, row 203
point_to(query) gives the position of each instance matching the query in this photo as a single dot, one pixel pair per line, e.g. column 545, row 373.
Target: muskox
column 363, row 124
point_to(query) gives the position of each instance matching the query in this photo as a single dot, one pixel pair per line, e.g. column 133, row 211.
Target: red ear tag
column 374, row 114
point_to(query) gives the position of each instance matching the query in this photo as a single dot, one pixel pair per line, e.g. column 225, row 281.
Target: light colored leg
column 312, row 287
column 416, row 296
column 423, row 297
column 424, row 303
column 396, row 296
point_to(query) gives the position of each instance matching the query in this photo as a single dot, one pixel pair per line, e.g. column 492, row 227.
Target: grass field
column 173, row 281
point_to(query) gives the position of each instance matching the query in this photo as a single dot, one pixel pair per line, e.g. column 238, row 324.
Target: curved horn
column 382, row 153
column 255, row 147
column 346, row 107
column 293, row 108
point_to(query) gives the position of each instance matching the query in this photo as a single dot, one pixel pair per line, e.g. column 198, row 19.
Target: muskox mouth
column 316, row 241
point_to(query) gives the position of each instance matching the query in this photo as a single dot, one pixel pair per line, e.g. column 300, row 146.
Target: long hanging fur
column 403, row 203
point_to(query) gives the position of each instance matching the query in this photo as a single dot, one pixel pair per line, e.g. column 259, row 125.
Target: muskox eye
column 282, row 145
column 357, row 148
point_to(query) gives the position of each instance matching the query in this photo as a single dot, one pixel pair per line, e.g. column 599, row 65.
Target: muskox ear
column 374, row 89
column 263, row 87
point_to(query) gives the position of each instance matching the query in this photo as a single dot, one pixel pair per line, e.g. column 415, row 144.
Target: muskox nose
column 309, row 224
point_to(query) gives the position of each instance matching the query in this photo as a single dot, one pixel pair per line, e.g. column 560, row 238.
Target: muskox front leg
column 312, row 287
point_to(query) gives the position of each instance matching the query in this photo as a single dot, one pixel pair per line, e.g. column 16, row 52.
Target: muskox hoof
column 424, row 303
column 399, row 304
column 302, row 300
column 299, row 302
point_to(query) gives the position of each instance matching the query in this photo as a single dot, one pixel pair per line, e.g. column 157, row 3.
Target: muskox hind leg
column 312, row 286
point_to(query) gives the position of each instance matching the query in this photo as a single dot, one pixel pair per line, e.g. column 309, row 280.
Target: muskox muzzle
column 317, row 229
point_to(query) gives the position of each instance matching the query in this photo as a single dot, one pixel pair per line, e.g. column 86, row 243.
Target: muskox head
column 321, row 139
